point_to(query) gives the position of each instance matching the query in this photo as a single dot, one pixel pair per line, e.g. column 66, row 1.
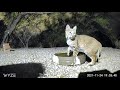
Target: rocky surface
column 110, row 60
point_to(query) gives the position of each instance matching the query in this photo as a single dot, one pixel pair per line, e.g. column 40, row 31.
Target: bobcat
column 82, row 43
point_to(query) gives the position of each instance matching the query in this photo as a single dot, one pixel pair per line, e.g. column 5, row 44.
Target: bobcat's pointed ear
column 67, row 27
column 74, row 28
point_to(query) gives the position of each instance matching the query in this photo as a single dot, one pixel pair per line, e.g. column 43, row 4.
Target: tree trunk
column 21, row 41
column 6, row 32
column 11, row 27
column 27, row 42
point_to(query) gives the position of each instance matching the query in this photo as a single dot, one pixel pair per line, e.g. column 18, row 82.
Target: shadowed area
column 25, row 70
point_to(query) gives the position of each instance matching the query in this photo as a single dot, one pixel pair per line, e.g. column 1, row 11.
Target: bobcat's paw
column 68, row 54
column 91, row 64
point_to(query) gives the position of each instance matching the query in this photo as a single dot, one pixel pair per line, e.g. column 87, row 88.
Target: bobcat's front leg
column 68, row 51
column 75, row 53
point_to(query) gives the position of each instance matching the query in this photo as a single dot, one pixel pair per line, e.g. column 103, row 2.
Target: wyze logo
column 9, row 75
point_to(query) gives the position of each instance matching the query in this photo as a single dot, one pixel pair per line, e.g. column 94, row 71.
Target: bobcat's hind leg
column 98, row 54
column 93, row 60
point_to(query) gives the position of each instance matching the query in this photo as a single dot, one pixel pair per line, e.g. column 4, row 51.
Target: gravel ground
column 110, row 60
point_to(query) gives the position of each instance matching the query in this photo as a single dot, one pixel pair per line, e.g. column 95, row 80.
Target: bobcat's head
column 70, row 33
